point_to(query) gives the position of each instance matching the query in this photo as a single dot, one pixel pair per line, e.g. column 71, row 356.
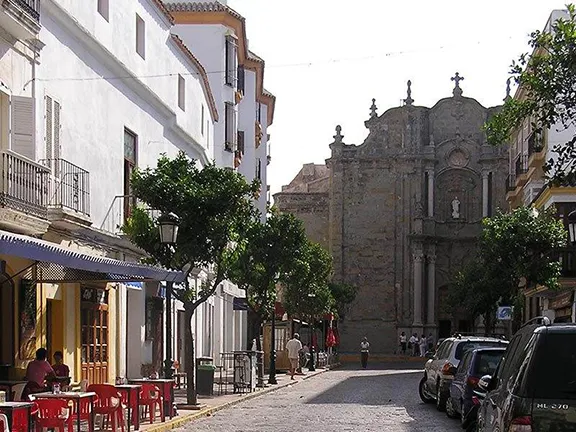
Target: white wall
column 95, row 111
column 211, row 53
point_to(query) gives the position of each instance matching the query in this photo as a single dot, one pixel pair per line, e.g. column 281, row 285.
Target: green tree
column 548, row 79
column 344, row 294
column 306, row 290
column 514, row 247
column 215, row 208
column 264, row 257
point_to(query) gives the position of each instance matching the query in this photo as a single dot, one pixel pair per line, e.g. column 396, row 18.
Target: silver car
column 439, row 370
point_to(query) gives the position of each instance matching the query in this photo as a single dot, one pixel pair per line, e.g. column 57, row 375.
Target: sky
column 327, row 59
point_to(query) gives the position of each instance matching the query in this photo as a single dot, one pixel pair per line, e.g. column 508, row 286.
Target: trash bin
column 205, row 376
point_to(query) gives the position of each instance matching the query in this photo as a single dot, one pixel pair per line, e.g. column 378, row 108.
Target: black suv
column 534, row 387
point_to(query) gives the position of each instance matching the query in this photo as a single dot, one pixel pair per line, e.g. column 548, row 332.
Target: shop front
column 63, row 300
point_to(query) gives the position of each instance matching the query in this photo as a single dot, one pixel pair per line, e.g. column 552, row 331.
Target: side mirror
column 429, row 354
column 484, row 383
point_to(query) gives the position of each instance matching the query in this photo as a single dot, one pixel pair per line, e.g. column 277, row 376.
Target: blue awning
column 44, row 251
column 134, row 285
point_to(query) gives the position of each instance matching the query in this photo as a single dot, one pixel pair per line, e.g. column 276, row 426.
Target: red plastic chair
column 4, row 423
column 150, row 396
column 108, row 404
column 52, row 414
column 85, row 413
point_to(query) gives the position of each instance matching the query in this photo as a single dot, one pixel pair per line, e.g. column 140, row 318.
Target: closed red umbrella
column 330, row 338
column 337, row 337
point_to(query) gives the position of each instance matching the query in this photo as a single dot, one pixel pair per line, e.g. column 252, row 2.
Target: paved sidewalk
column 216, row 402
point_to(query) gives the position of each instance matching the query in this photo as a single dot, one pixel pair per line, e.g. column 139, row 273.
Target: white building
column 240, row 138
column 111, row 90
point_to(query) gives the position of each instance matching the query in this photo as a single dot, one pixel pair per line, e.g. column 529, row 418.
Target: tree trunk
column 191, row 398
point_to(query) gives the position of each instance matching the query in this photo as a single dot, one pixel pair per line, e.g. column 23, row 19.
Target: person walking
column 294, row 346
column 423, row 344
column 414, row 345
column 364, row 350
column 403, row 342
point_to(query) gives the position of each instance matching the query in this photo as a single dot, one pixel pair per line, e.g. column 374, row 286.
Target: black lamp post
column 311, row 366
column 168, row 226
column 572, row 226
column 272, row 375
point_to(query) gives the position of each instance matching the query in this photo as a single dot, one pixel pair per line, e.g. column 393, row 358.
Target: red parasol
column 330, row 338
column 336, row 336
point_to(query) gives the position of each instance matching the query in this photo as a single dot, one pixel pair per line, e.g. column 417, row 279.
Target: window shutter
column 228, row 49
column 23, row 126
column 241, row 79
column 56, row 131
column 49, row 140
column 241, row 142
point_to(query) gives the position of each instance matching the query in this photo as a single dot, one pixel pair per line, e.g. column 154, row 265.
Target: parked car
column 474, row 365
column 439, row 370
column 534, row 387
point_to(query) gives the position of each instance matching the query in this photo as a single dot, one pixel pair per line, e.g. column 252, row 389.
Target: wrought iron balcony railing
column 521, row 164
column 24, row 184
column 32, row 7
column 69, row 186
column 567, row 258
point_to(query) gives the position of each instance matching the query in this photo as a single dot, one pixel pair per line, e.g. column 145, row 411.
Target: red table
column 9, row 408
column 131, row 393
column 166, row 387
column 75, row 398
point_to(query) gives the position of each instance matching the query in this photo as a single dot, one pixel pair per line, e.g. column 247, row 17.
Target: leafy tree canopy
column 215, row 209
column 306, row 289
column 344, row 294
column 547, row 78
column 265, row 256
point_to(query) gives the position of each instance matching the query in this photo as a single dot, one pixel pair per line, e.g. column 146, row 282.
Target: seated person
column 38, row 370
column 60, row 369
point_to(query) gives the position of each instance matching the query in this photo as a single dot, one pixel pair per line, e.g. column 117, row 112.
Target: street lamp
column 311, row 367
column 272, row 374
column 572, row 226
column 168, row 226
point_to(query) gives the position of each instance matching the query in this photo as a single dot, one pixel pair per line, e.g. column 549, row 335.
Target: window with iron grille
column 240, row 143
column 230, row 136
column 258, row 169
column 231, row 61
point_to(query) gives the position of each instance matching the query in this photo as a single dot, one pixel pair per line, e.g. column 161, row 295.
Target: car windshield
column 472, row 345
column 486, row 362
column 553, row 375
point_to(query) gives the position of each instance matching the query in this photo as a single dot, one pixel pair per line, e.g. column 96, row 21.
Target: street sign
column 504, row 313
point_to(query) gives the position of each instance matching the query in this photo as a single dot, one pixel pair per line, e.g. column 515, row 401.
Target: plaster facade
column 404, row 213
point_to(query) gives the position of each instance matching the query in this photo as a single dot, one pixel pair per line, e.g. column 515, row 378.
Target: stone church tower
column 402, row 212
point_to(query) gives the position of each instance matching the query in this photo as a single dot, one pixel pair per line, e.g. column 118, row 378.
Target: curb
column 187, row 418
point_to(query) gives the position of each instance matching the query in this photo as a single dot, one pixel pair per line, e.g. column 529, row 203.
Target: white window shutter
column 56, row 130
column 49, row 126
column 23, row 126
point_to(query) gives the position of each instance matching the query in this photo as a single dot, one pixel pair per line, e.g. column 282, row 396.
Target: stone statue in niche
column 455, row 208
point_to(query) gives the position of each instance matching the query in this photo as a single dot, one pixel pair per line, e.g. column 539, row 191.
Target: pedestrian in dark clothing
column 364, row 349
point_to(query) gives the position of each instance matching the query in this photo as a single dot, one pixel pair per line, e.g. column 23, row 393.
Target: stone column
column 430, row 192
column 485, row 193
column 431, row 306
column 418, row 258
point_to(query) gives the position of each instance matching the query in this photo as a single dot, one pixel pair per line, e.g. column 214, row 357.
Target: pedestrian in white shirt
column 294, row 346
column 423, row 345
column 364, row 349
column 414, row 345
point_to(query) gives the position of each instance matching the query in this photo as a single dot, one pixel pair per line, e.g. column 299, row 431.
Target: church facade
column 401, row 213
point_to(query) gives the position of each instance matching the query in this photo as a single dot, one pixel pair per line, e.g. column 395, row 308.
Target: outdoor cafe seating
column 117, row 407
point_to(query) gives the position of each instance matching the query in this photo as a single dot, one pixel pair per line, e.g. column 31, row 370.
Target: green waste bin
column 205, row 376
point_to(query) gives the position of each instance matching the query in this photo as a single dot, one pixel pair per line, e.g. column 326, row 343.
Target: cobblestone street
column 384, row 398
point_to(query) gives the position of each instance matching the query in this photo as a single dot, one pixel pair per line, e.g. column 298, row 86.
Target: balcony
column 24, row 185
column 510, row 182
column 117, row 214
column 21, row 18
column 536, row 154
column 69, row 193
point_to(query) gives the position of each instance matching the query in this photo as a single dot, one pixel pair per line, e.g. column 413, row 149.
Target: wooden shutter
column 23, row 126
column 49, row 139
column 241, row 142
column 56, row 130
column 241, row 76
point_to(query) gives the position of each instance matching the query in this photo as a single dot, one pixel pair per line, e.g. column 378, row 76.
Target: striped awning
column 46, row 252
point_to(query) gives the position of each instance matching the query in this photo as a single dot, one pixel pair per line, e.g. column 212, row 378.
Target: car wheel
column 450, row 411
column 422, row 391
column 465, row 421
column 440, row 399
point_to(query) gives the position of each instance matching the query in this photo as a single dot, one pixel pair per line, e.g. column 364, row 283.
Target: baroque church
column 401, row 213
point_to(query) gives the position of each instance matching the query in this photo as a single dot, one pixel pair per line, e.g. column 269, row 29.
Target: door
column 94, row 335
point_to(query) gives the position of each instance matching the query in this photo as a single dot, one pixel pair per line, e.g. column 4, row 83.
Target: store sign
column 504, row 313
